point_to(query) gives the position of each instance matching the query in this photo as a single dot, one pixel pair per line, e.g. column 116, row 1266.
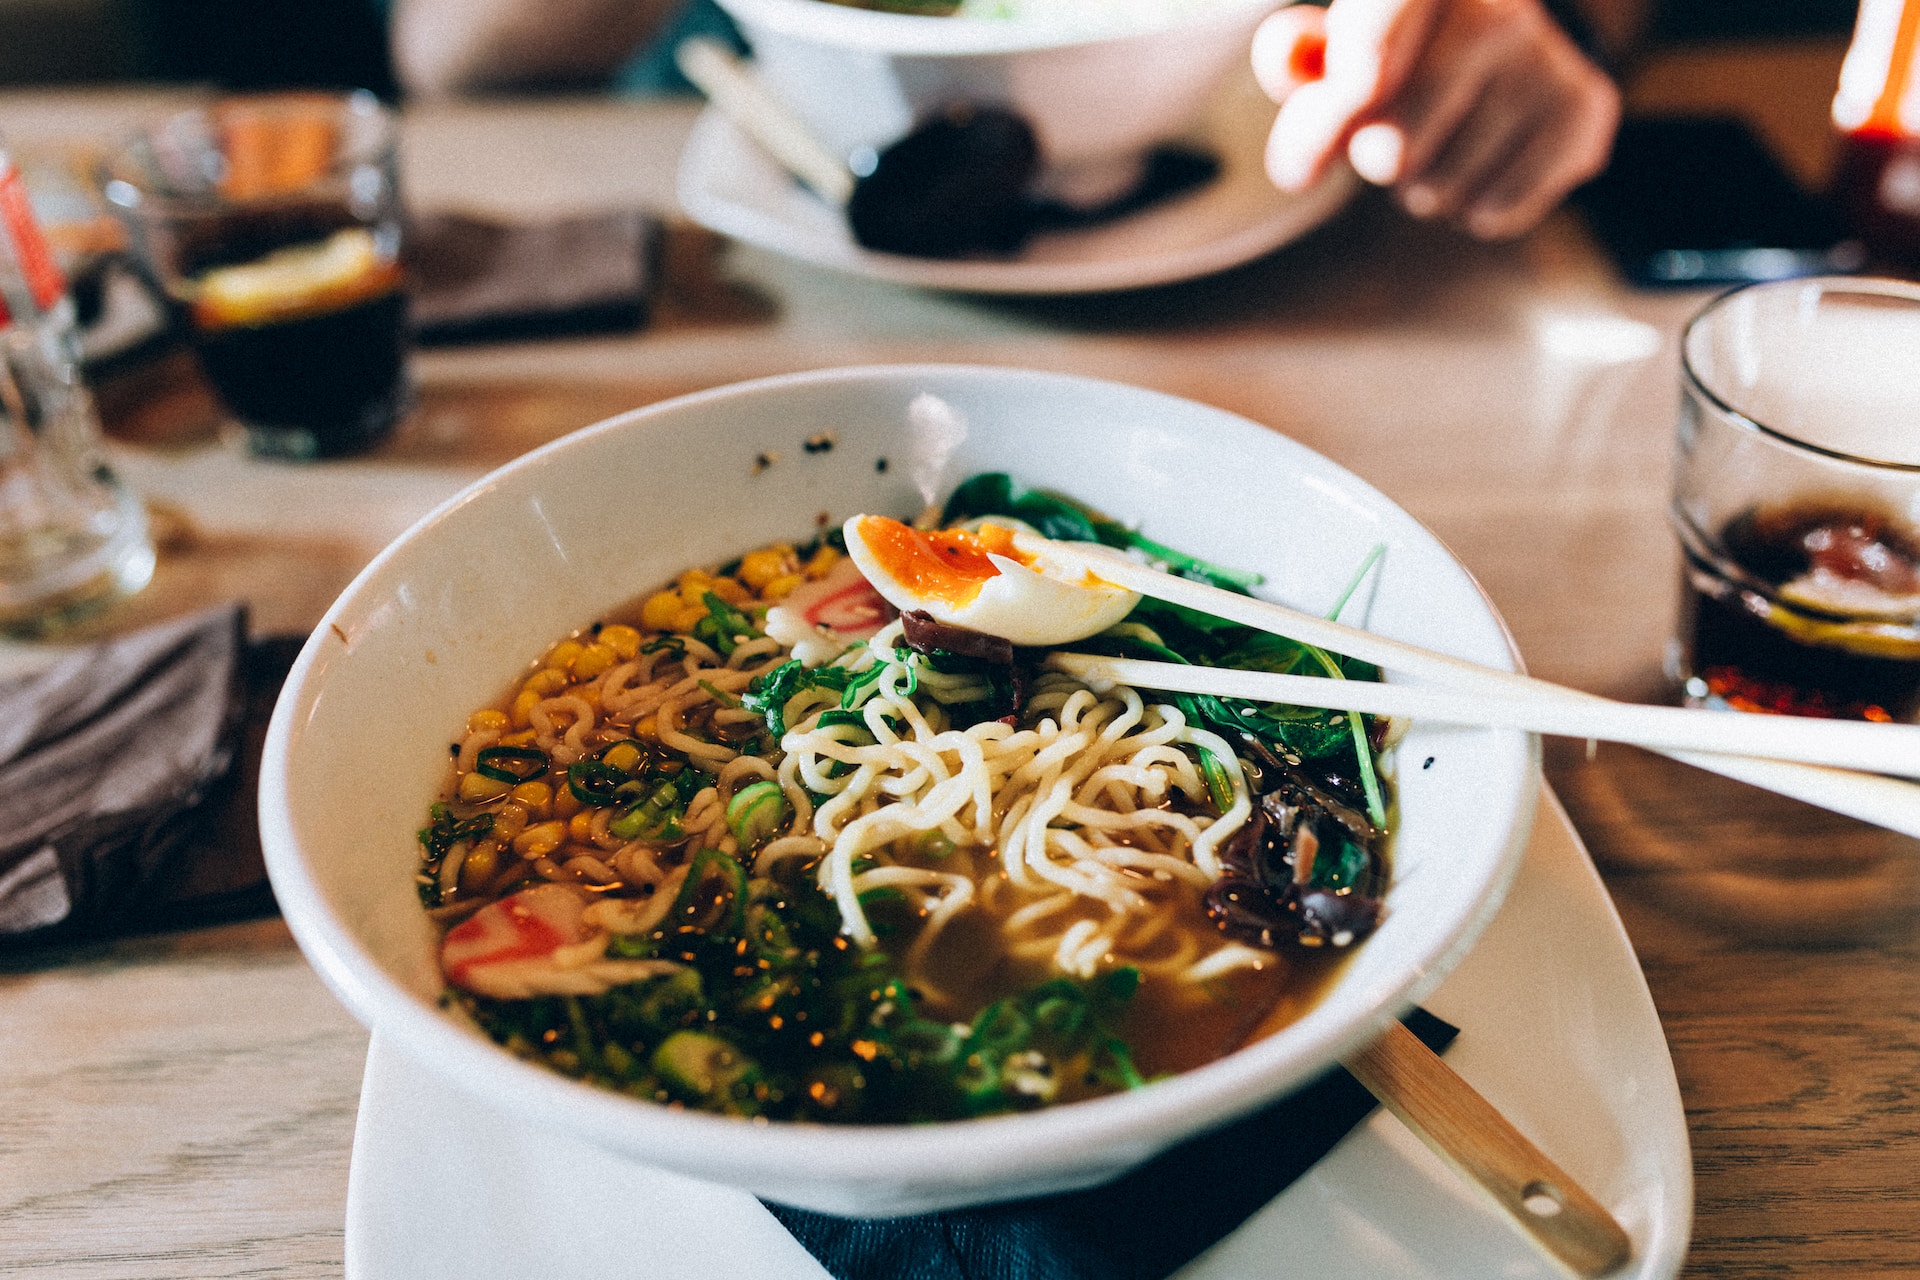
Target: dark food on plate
column 961, row 184
column 765, row 847
column 957, row 184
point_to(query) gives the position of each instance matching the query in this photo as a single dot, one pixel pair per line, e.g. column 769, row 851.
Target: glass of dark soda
column 272, row 224
column 1797, row 500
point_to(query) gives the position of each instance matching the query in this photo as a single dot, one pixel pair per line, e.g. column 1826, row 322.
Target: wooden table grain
column 182, row 1106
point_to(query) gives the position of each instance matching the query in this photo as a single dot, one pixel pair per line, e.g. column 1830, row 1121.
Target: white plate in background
column 728, row 184
column 1557, row 1030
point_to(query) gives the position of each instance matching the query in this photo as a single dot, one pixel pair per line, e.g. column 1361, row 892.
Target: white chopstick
column 1847, row 744
column 1883, row 801
column 745, row 102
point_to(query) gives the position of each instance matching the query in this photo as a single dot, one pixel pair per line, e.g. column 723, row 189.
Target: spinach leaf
column 769, row 694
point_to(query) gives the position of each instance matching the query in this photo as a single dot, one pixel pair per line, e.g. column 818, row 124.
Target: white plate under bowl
column 441, row 620
column 729, row 184
column 1557, row 1029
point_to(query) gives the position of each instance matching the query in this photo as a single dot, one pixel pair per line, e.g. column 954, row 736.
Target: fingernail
column 1375, row 151
column 1420, row 200
column 1309, row 60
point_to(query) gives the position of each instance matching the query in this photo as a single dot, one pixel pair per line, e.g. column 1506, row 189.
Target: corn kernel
column 821, row 562
column 561, row 656
column 523, row 704
column 481, row 862
column 689, row 617
column 647, row 730
column 592, row 661
column 622, row 756
column 781, row 587
column 758, row 568
column 478, row 786
column 580, row 825
column 730, row 590
column 565, row 803
column 534, row 795
column 509, row 820
column 524, row 738
column 487, row 720
column 623, row 640
column 661, row 608
column 540, row 840
column 549, row 680
column 691, row 583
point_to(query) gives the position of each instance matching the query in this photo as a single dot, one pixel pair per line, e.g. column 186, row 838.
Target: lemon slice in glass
column 300, row 280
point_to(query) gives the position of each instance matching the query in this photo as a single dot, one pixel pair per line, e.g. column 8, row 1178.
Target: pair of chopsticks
column 1546, row 1204
column 1835, row 764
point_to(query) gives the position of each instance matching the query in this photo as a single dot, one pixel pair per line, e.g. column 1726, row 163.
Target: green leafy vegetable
column 769, row 694
column 992, row 493
column 510, row 764
column 444, row 831
column 724, row 625
column 1341, row 865
column 713, row 898
column 718, row 694
column 1019, row 1052
column 1362, row 746
column 756, row 814
column 1219, row 782
column 656, row 814
column 595, row 782
column 776, row 1015
column 702, row 1068
column 860, row 686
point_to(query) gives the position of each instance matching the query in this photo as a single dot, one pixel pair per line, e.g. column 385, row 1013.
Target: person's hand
column 1483, row 112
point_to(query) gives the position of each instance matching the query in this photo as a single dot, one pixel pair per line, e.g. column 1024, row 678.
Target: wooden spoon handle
column 1483, row 1146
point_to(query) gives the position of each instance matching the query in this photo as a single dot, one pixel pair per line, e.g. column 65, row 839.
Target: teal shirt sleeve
column 651, row 70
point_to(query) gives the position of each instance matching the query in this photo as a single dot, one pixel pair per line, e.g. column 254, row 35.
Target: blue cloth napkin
column 1144, row 1226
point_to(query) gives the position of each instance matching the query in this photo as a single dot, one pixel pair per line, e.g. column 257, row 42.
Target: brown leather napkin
column 126, row 776
column 477, row 279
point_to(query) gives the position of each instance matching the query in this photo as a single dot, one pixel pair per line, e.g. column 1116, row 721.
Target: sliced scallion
column 595, row 782
column 510, row 764
column 756, row 813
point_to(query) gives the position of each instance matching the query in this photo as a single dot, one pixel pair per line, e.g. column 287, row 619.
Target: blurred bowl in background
column 1100, row 81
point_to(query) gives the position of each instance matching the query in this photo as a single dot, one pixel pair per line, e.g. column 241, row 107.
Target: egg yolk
column 948, row 565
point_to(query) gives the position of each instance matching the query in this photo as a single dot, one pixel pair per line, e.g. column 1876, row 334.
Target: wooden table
column 183, row 1105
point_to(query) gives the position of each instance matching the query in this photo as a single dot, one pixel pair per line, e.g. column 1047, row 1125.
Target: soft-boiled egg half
column 977, row 580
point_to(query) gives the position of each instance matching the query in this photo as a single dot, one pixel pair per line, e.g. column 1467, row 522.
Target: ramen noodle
column 761, row 845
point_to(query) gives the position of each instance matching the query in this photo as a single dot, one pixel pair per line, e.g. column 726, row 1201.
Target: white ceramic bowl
column 442, row 620
column 1098, row 91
